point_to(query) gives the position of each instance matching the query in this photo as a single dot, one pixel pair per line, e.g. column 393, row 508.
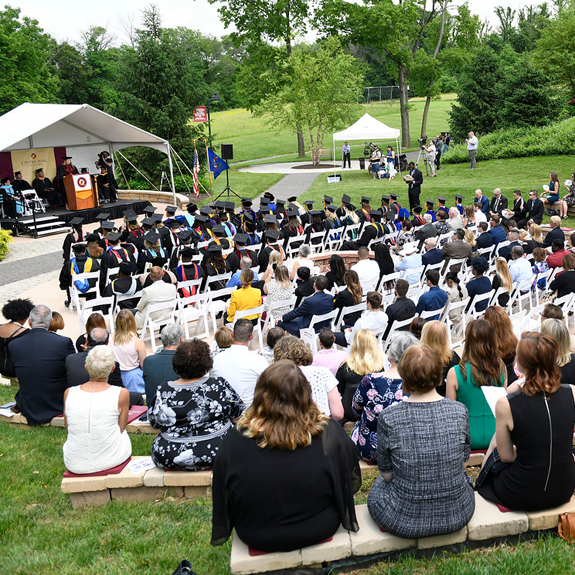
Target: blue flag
column 216, row 164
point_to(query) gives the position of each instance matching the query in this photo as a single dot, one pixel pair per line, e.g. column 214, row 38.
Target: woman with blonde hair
column 434, row 334
column 129, row 351
column 502, row 278
column 281, row 441
column 365, row 357
column 245, row 297
column 376, row 392
column 278, row 288
column 469, row 238
column 480, row 365
column 536, row 240
column 276, row 259
column 565, row 359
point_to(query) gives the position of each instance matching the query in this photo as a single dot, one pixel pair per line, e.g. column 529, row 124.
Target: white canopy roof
column 70, row 125
column 367, row 128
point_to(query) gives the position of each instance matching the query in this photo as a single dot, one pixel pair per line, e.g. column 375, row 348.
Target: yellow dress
column 244, row 298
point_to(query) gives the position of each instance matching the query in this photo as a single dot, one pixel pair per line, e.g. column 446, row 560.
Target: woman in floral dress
column 376, row 392
column 194, row 412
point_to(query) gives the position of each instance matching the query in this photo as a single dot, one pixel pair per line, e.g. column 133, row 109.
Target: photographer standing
column 430, row 152
column 472, row 143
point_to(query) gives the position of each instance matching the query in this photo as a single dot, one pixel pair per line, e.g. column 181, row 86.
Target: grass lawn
column 41, row 533
column 253, row 140
column 519, row 173
column 245, row 184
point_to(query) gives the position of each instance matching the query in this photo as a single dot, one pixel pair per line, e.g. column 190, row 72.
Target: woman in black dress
column 336, row 272
column 534, row 434
column 261, row 483
column 351, row 295
column 194, row 412
column 16, row 311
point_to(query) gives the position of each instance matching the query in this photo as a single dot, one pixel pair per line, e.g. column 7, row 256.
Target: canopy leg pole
column 171, row 174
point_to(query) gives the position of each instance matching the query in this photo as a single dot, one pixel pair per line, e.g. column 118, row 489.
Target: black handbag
column 184, row 568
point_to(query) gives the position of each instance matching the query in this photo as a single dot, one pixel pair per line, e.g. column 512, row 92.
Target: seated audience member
column 504, row 337
column 305, row 285
column 349, row 297
column 328, row 356
column 336, row 272
column 455, row 220
column 323, row 383
column 534, row 445
column 57, row 324
column 426, row 231
column 539, row 268
column 402, row 308
column 536, row 240
column 480, row 365
column 534, row 210
column 76, row 370
column 432, row 254
column 456, row 249
column 238, row 365
column 222, row 340
column 555, row 233
column 244, row 298
column 498, row 203
column 158, row 368
column 481, row 284
column 469, row 219
column 124, row 284
column 442, row 225
column 484, row 238
column 269, row 453
column 502, row 279
column 194, row 412
column 410, row 260
column 373, row 319
column 455, row 292
column 96, row 415
column 365, row 357
column 496, row 231
column 505, row 251
column 129, row 350
column 422, row 490
column 94, row 320
column 552, row 311
column 158, row 292
column 558, row 252
column 245, row 264
column 279, row 288
column 16, row 311
column 564, row 283
column 571, row 246
column 416, row 326
column 520, row 269
column 557, row 329
column 319, row 303
column 480, row 217
column 39, row 360
column 435, row 298
column 79, row 263
column 434, row 334
column 376, row 392
column 367, row 270
column 273, row 336
column 302, row 260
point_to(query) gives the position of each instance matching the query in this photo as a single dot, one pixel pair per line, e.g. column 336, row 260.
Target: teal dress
column 481, row 418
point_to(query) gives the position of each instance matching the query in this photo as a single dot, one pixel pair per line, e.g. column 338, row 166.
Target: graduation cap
column 148, row 222
column 174, row 224
column 152, row 236
column 292, row 213
column 315, row 213
column 67, row 158
column 187, row 253
column 386, row 197
column 393, row 197
column 272, row 234
column 84, row 171
column 441, row 199
column 79, row 248
column 292, row 199
column 328, row 199
column 246, row 202
column 185, row 235
column 308, row 203
column 229, row 205
column 265, row 211
column 417, row 209
column 201, row 218
column 204, row 210
column 130, row 214
column 92, row 238
column 171, row 210
column 212, row 205
column 241, row 239
column 18, row 173
column 191, row 207
column 264, row 201
column 107, row 226
column 149, row 210
column 375, row 213
column 219, row 230
column 270, row 196
column 113, row 237
column 220, row 205
column 76, row 221
column 103, row 216
column 127, row 267
column 270, row 219
column 156, row 218
column 213, row 247
column 429, row 203
column 331, row 209
column 365, row 200
column 458, row 197
column 38, row 170
column 281, row 202
column 390, row 215
column 249, row 217
column 346, row 199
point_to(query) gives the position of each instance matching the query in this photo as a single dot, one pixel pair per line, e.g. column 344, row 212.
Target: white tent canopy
column 369, row 129
column 74, row 127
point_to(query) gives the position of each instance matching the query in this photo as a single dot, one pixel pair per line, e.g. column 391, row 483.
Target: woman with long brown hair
column 480, row 365
column 278, row 444
column 534, row 434
column 504, row 338
column 351, row 295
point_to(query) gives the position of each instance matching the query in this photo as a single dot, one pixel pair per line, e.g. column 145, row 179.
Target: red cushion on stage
column 254, row 552
column 111, row 471
column 503, row 509
column 136, row 412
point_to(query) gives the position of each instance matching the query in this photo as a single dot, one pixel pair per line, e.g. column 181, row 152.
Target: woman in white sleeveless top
column 96, row 415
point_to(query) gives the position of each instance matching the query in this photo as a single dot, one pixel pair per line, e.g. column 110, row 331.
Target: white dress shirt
column 520, row 270
column 372, row 320
column 368, row 272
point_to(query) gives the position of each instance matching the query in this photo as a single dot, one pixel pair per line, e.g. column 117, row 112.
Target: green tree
column 532, row 21
column 320, row 96
column 506, row 28
column 72, row 74
column 477, row 106
column 26, row 69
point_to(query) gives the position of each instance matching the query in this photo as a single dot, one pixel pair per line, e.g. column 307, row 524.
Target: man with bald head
column 158, row 292
column 481, row 199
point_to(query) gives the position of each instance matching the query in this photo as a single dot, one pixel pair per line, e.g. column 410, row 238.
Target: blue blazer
column 485, row 205
column 317, row 304
column 498, row 234
column 432, row 257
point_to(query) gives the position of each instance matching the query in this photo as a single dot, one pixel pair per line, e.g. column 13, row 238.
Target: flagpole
column 209, row 170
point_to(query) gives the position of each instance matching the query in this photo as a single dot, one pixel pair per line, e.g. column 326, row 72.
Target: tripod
column 424, row 161
column 228, row 189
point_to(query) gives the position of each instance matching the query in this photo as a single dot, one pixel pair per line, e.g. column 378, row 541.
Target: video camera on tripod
column 422, row 141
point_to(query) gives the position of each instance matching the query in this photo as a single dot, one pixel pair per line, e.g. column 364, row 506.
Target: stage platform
column 116, row 210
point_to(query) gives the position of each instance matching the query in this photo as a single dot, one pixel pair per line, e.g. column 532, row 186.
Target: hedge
column 5, row 239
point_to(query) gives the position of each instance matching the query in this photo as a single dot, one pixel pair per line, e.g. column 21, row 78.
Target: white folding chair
column 271, row 316
column 347, row 310
column 219, row 305
column 221, row 278
column 432, row 312
column 76, row 296
column 153, row 323
column 333, row 239
column 318, row 246
column 480, row 298
column 111, row 272
column 394, row 327
column 454, row 329
column 331, row 317
column 86, row 307
column 190, row 286
column 393, row 277
column 258, row 327
column 487, row 253
column 499, row 246
column 539, row 291
column 195, row 308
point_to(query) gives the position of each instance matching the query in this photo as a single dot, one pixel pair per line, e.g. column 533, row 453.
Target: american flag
column 195, row 172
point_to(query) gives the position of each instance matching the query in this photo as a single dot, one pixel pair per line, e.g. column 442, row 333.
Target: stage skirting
column 116, row 210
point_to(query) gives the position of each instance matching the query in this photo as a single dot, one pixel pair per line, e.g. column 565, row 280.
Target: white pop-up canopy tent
column 81, row 129
column 369, row 129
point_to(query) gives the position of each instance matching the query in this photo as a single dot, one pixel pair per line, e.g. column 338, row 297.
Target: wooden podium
column 80, row 191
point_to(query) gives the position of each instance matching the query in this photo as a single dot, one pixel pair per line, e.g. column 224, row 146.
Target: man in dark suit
column 497, row 232
column 319, row 303
column 505, row 251
column 480, row 198
column 414, row 186
column 40, row 362
column 534, row 211
column 402, row 308
column 555, row 233
column 484, row 239
column 432, row 255
column 498, row 203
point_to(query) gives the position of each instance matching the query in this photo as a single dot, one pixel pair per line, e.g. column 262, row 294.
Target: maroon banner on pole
column 201, row 114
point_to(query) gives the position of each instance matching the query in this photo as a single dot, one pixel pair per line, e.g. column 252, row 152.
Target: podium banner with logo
column 28, row 161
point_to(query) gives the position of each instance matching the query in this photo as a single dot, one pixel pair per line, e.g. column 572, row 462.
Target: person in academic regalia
column 79, row 263
column 124, row 284
column 62, row 171
column 75, row 236
column 188, row 270
column 233, row 260
column 45, row 188
column 19, row 183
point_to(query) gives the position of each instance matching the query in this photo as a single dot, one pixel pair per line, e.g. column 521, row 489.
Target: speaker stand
column 228, row 189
